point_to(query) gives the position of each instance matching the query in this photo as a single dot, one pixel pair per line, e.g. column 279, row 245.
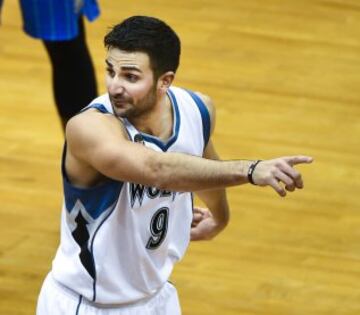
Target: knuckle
column 290, row 187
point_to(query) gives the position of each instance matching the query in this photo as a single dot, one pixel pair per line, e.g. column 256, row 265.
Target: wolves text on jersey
column 137, row 192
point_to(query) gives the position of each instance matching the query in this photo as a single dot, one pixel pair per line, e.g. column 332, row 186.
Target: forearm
column 182, row 172
column 135, row 163
column 221, row 215
column 216, row 202
column 209, row 222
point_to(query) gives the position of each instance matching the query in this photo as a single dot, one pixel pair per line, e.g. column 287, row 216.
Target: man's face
column 130, row 83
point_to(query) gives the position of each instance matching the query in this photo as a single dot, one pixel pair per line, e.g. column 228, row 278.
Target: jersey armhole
column 100, row 107
column 205, row 116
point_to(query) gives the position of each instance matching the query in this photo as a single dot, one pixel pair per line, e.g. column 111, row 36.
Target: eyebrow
column 109, row 63
column 128, row 68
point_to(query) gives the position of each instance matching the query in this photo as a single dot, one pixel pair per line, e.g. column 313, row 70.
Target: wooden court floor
column 285, row 77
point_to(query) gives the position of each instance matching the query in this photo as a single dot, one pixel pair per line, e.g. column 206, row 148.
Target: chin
column 120, row 114
column 128, row 114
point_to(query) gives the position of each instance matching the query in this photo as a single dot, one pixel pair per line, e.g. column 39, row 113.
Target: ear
column 165, row 81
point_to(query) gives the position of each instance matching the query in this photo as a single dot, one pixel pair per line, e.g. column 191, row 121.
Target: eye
column 110, row 72
column 131, row 77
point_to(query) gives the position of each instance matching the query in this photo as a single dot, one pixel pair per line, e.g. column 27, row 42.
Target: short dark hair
column 151, row 36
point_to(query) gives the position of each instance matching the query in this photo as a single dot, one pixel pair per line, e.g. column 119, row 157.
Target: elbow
column 223, row 217
column 224, row 221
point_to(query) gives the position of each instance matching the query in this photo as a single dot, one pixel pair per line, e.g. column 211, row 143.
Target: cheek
column 107, row 82
column 139, row 90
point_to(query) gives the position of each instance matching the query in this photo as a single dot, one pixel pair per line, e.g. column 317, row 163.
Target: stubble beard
column 135, row 110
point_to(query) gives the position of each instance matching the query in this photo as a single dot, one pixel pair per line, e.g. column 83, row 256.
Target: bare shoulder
column 93, row 140
column 92, row 124
column 86, row 132
column 86, row 119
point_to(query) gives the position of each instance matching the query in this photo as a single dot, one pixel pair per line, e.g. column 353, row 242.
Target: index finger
column 298, row 159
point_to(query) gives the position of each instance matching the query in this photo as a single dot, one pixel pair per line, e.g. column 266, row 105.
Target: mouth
column 119, row 103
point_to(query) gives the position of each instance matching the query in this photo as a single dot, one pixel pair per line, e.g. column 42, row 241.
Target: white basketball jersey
column 120, row 241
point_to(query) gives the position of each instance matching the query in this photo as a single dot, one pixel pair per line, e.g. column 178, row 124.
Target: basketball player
column 131, row 160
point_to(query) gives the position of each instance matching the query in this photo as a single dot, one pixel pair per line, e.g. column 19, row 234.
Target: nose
column 116, row 86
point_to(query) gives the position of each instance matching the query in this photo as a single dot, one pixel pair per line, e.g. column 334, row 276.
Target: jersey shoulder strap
column 205, row 116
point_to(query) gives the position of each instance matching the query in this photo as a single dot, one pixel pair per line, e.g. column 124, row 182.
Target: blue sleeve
column 91, row 9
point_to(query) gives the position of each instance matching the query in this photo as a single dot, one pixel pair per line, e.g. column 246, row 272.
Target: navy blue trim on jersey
column 92, row 250
column 78, row 306
column 205, row 116
column 95, row 199
column 100, row 107
column 176, row 121
column 63, row 171
column 192, row 201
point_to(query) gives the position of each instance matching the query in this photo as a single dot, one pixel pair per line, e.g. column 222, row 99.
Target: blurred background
column 285, row 78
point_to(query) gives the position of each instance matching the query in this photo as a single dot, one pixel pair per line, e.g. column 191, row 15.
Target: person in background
column 60, row 27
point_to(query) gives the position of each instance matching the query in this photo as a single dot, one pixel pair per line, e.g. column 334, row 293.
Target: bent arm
column 98, row 141
column 215, row 199
column 206, row 227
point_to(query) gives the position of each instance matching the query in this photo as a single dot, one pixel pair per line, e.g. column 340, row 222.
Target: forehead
column 121, row 58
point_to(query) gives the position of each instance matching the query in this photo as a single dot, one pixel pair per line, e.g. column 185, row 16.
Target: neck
column 158, row 121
